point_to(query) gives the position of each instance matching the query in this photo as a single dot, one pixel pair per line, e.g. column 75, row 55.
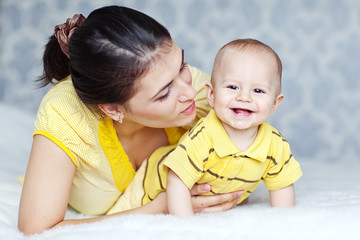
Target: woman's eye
column 165, row 96
column 257, row 90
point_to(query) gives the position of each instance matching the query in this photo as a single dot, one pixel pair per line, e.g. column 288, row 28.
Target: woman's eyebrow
column 182, row 57
column 167, row 85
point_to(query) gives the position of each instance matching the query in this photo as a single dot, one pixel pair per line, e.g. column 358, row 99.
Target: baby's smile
column 242, row 111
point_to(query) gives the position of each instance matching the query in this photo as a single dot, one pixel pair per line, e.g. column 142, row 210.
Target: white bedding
column 328, row 203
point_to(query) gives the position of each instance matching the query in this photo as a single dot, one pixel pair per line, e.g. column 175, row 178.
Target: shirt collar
column 223, row 146
column 259, row 149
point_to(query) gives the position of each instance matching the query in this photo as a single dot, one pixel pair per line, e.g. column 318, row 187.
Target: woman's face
column 164, row 96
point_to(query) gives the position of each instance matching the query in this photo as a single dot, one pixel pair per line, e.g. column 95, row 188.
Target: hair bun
column 63, row 32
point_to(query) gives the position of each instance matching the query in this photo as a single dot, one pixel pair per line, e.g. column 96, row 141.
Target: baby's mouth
column 242, row 111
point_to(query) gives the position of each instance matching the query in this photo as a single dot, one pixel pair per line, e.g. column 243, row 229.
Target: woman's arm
column 46, row 188
column 178, row 196
column 48, row 182
column 284, row 197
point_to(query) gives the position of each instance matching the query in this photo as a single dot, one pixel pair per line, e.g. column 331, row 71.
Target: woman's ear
column 210, row 93
column 112, row 110
column 277, row 102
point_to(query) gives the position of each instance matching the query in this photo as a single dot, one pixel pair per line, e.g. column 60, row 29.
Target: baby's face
column 246, row 89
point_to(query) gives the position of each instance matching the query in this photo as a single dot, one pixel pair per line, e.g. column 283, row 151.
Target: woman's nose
column 187, row 92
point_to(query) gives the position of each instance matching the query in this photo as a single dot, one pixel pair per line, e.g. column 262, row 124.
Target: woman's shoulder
column 62, row 107
column 66, row 120
column 63, row 99
column 199, row 77
column 60, row 91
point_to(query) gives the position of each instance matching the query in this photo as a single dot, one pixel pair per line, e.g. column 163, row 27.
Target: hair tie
column 63, row 32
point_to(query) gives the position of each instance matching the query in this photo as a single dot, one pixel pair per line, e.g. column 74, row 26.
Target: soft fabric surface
column 328, row 203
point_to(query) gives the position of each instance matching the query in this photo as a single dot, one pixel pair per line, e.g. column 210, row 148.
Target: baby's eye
column 257, row 90
column 233, row 87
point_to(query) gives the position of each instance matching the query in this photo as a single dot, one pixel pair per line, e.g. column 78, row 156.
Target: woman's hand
column 200, row 204
column 215, row 203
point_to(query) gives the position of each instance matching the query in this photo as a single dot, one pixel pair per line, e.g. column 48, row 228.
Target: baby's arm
column 284, row 197
column 178, row 196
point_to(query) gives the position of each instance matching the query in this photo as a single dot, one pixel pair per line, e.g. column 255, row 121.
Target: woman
column 130, row 92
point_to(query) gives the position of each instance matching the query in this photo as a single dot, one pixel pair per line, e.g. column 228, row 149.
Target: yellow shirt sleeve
column 285, row 170
column 66, row 121
column 187, row 160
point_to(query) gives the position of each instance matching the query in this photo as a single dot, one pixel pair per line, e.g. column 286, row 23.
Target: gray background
column 317, row 40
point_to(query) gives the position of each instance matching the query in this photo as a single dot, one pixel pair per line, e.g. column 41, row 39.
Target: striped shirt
column 207, row 155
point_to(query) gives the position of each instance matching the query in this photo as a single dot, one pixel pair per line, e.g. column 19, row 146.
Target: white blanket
column 328, row 203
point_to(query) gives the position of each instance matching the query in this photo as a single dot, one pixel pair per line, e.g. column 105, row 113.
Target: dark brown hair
column 108, row 53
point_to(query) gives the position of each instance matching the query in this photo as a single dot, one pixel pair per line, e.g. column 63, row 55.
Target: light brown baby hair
column 249, row 45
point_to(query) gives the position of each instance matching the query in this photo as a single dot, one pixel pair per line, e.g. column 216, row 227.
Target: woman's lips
column 190, row 109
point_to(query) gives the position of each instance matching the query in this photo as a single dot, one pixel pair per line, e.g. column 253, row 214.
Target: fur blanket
column 328, row 204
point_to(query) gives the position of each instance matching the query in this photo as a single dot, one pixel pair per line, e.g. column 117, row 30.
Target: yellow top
column 207, row 155
column 89, row 138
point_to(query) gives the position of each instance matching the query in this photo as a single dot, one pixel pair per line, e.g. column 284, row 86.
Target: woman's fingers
column 215, row 203
column 220, row 207
column 198, row 189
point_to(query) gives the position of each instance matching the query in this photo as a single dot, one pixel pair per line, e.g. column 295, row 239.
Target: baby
column 234, row 147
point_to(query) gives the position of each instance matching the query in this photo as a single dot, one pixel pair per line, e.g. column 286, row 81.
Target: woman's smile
column 190, row 109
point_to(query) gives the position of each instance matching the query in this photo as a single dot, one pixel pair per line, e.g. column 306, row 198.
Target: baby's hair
column 250, row 45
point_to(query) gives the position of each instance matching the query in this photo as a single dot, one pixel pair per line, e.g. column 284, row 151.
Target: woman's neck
column 139, row 141
column 127, row 128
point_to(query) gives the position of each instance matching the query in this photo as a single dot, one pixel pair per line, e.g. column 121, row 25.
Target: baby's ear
column 210, row 93
column 277, row 102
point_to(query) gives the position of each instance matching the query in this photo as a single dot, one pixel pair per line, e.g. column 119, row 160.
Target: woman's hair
column 112, row 49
